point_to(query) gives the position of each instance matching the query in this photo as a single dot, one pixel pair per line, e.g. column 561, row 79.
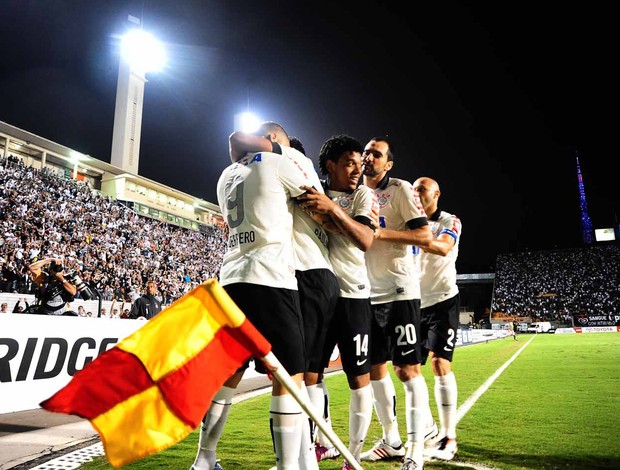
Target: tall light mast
column 586, row 224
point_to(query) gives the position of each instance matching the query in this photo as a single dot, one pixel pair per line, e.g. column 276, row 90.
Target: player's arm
column 441, row 245
column 447, row 238
column 359, row 230
column 241, row 143
column 418, row 233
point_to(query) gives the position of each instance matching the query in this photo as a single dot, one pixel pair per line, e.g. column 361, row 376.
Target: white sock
column 360, row 414
column 316, row 398
column 307, row 455
column 384, row 395
column 321, row 437
column 286, row 418
column 212, row 427
column 416, row 402
column 446, row 393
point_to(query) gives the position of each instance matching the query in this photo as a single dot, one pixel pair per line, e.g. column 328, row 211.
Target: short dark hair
column 390, row 152
column 297, row 145
column 333, row 148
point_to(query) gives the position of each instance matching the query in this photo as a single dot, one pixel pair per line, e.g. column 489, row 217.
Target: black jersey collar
column 435, row 216
column 384, row 182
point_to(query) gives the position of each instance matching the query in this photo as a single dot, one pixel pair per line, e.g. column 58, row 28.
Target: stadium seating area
column 116, row 250
column 109, row 244
column 556, row 285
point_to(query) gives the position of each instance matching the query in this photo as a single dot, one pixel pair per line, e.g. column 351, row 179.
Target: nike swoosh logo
column 404, row 353
column 446, row 348
column 359, row 363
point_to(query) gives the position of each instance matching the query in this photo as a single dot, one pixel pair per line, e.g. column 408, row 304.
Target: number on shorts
column 451, row 338
column 361, row 345
column 406, row 335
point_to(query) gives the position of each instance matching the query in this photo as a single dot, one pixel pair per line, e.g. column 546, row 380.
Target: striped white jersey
column 255, row 197
column 438, row 273
column 391, row 269
column 347, row 259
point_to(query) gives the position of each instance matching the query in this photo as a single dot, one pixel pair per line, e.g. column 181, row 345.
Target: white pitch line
column 473, row 398
column 86, row 454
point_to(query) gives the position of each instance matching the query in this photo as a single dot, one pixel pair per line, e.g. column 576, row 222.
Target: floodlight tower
column 586, row 223
column 140, row 53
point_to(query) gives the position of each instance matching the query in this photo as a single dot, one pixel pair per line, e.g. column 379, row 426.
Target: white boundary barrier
column 40, row 353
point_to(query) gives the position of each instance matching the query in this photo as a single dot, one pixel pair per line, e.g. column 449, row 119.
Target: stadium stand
column 113, row 248
column 559, row 285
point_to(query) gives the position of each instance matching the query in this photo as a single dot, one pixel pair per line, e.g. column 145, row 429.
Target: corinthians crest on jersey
column 383, row 199
column 345, row 201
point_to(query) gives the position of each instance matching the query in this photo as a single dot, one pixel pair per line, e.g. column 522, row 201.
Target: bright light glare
column 247, row 122
column 143, row 51
column 76, row 157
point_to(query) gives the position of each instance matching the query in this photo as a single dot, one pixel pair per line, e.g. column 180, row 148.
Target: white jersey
column 347, row 259
column 255, row 197
column 310, row 239
column 438, row 273
column 391, row 269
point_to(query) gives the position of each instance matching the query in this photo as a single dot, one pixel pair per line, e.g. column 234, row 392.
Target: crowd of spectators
column 556, row 285
column 112, row 248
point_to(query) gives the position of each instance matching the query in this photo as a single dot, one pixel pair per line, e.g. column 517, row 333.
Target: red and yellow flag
column 153, row 388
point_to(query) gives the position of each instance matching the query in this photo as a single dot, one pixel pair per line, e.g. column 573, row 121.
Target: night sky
column 492, row 101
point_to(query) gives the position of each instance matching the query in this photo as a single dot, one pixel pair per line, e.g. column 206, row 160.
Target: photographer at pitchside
column 54, row 289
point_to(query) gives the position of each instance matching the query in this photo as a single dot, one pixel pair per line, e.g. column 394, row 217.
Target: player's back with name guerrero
column 256, row 198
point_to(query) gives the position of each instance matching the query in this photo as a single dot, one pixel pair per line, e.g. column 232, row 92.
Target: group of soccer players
column 360, row 260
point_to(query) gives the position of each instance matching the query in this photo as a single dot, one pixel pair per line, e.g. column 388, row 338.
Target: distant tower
column 140, row 53
column 586, row 223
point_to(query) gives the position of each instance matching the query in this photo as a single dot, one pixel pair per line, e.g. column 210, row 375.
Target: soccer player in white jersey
column 256, row 197
column 350, row 208
column 395, row 299
column 318, row 292
column 440, row 310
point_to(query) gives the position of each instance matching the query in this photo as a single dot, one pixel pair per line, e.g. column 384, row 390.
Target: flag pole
column 277, row 370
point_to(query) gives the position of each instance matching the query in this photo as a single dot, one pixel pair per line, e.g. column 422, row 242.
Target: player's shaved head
column 273, row 131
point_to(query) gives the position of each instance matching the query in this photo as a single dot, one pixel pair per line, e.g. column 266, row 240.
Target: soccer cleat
column 383, row 451
column 324, row 453
column 410, row 464
column 217, row 466
column 430, row 437
column 445, row 449
column 346, row 466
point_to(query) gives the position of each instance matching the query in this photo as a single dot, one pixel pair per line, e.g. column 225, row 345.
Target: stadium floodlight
column 140, row 53
column 246, row 122
column 143, row 51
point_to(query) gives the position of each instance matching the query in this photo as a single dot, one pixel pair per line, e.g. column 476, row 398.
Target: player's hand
column 317, row 205
column 315, row 201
